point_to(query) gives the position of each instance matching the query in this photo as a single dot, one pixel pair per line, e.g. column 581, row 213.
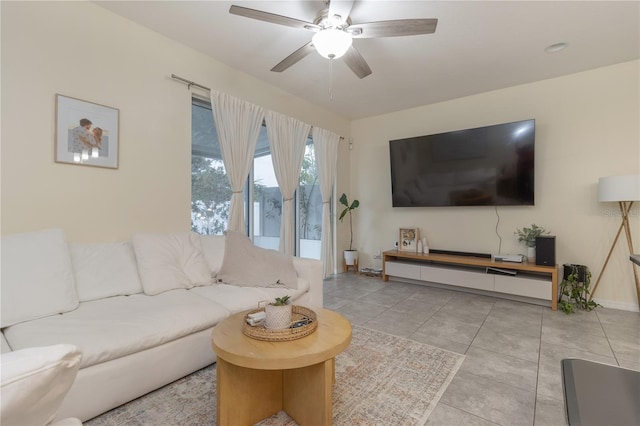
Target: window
column 210, row 189
column 211, row 192
column 267, row 200
column 309, row 207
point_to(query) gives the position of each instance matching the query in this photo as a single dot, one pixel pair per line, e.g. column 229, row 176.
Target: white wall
column 587, row 126
column 80, row 50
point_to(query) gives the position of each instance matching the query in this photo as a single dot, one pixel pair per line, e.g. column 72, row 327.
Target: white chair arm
column 311, row 270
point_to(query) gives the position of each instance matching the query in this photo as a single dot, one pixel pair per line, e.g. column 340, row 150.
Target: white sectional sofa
column 141, row 312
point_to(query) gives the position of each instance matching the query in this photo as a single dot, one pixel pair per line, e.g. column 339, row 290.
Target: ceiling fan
column 334, row 33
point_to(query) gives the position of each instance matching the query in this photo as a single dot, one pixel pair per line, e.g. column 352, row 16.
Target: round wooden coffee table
column 256, row 379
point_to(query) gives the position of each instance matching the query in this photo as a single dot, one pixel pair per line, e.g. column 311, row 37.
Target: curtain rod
column 190, row 83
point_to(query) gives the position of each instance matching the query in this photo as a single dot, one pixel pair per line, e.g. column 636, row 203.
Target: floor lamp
column 623, row 190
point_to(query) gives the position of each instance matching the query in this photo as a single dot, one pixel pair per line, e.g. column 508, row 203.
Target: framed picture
column 86, row 133
column 408, row 239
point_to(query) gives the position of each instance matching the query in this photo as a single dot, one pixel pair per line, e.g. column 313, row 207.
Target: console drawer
column 457, row 277
column 529, row 287
column 402, row 269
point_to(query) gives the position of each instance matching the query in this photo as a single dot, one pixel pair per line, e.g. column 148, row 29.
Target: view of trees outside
column 211, row 192
column 210, row 196
column 210, row 189
column 309, row 198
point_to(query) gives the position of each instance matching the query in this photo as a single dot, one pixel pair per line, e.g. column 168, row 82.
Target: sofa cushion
column 236, row 299
column 105, row 270
column 170, row 261
column 37, row 276
column 231, row 297
column 110, row 328
column 34, row 382
column 245, row 264
column 213, row 250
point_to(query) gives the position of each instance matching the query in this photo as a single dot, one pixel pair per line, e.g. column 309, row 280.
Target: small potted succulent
column 278, row 313
column 527, row 236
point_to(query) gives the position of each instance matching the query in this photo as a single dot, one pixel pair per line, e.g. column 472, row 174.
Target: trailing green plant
column 527, row 236
column 281, row 301
column 574, row 289
column 348, row 209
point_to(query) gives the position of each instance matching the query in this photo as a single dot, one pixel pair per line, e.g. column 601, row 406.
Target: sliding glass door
column 211, row 193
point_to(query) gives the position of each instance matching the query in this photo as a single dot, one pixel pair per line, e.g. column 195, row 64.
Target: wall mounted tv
column 485, row 166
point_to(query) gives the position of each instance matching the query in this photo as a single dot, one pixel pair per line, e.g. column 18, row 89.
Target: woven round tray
column 298, row 313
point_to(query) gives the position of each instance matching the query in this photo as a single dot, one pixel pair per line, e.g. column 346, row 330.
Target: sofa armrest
column 311, row 270
column 35, row 381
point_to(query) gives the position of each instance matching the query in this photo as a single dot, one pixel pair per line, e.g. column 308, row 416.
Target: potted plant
column 351, row 255
column 574, row 290
column 527, row 236
column 278, row 313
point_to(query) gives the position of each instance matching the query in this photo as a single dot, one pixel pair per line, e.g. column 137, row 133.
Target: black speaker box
column 546, row 250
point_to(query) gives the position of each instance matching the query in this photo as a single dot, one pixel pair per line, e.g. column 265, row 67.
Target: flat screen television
column 485, row 166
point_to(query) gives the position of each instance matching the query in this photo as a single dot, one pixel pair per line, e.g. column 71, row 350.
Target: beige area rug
column 380, row 380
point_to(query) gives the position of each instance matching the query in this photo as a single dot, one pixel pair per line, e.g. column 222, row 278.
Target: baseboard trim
column 612, row 304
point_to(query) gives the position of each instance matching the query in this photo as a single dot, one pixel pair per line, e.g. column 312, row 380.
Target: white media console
column 531, row 280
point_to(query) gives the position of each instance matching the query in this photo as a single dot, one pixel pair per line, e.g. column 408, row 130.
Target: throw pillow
column 170, row 261
column 35, row 381
column 105, row 270
column 246, row 265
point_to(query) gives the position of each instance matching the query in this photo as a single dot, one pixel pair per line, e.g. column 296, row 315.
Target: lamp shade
column 332, row 43
column 619, row 188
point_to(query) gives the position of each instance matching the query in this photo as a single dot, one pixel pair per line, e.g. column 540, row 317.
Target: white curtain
column 287, row 139
column 238, row 125
column 325, row 144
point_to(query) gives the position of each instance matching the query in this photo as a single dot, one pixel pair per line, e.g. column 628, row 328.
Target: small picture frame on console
column 408, row 239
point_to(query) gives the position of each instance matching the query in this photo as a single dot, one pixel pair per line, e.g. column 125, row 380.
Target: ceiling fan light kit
column 332, row 43
column 334, row 33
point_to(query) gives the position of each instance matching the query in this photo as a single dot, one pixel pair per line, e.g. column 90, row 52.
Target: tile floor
column 511, row 373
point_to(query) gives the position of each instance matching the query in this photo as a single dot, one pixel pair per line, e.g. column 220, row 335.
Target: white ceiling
column 478, row 46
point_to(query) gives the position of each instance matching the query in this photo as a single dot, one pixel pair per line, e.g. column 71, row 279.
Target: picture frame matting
column 86, row 133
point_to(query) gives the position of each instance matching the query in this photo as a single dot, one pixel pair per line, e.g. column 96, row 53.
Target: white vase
column 531, row 254
column 278, row 317
column 351, row 257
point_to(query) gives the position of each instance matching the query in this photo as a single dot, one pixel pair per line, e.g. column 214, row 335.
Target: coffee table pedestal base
column 245, row 395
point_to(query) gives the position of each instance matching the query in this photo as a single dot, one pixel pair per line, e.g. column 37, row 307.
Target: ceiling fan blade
column 356, row 62
column 341, row 8
column 397, row 28
column 272, row 18
column 294, row 57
